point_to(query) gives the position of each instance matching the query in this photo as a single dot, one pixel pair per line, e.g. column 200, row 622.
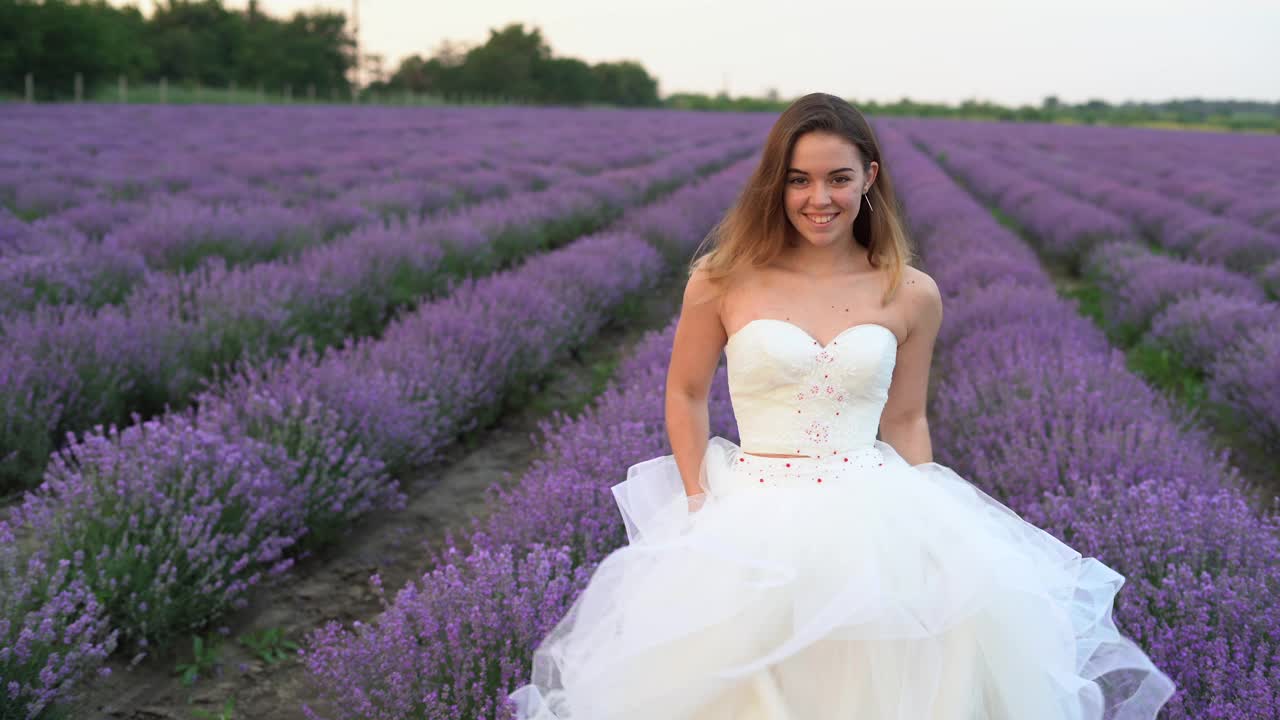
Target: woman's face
column 825, row 182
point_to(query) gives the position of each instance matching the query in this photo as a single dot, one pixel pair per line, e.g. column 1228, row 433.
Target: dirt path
column 333, row 585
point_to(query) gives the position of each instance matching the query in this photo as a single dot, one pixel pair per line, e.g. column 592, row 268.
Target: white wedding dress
column 849, row 584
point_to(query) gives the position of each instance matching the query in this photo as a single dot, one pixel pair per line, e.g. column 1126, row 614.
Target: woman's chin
column 821, row 239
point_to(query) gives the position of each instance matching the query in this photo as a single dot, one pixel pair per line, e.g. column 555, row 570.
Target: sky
column 1011, row 52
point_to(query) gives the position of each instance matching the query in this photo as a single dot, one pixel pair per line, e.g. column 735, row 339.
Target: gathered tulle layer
column 851, row 585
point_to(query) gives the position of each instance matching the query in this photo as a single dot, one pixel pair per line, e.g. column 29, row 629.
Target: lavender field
column 236, row 337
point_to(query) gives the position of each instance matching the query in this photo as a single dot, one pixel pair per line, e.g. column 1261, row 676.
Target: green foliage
column 516, row 64
column 226, row 713
column 1191, row 113
column 205, row 658
column 1089, row 301
column 1165, row 370
column 270, row 645
column 188, row 42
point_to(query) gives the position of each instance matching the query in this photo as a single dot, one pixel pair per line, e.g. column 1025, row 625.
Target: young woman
column 816, row 572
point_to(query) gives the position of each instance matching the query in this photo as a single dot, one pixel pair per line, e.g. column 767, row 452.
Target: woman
column 818, row 572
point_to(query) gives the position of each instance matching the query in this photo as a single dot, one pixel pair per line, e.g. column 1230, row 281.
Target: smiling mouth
column 822, row 220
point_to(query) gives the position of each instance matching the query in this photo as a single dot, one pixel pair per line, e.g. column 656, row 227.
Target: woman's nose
column 820, row 195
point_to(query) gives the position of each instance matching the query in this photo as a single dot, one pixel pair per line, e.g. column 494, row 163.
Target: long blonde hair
column 756, row 228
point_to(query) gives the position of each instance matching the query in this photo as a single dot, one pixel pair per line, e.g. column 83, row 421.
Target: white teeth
column 822, row 219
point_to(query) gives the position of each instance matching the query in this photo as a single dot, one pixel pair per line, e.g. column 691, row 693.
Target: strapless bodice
column 793, row 395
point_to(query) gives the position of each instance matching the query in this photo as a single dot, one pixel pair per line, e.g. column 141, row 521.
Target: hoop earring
column 864, row 197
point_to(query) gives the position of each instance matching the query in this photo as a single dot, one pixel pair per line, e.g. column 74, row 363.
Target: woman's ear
column 872, row 171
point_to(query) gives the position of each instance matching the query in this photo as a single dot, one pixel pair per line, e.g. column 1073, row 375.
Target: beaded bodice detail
column 793, row 395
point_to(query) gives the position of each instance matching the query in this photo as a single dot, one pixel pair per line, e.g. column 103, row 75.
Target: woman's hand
column 696, row 502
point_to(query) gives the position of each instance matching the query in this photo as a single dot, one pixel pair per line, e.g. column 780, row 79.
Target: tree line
column 200, row 42
column 1210, row 114
column 205, row 44
column 518, row 64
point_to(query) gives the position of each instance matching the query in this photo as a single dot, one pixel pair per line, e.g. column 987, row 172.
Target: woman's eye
column 842, row 178
column 796, row 180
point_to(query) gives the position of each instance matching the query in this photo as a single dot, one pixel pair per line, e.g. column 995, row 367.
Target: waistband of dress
column 822, row 457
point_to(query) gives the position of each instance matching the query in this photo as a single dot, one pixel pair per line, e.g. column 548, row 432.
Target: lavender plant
column 170, row 521
column 53, row 630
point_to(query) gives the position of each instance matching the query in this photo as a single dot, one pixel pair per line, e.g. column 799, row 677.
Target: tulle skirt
column 850, row 586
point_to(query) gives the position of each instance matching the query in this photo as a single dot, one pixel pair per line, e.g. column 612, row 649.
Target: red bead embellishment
column 881, row 464
column 761, row 479
column 742, row 459
column 846, row 459
column 788, row 464
column 819, row 479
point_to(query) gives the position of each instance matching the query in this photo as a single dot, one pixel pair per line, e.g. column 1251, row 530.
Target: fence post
column 164, row 90
column 29, row 91
column 79, row 87
column 122, row 89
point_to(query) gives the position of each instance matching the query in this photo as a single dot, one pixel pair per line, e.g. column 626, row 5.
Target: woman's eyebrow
column 844, row 169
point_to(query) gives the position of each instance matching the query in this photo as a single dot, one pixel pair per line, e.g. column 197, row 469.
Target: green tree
column 57, row 39
column 508, row 64
column 566, row 81
column 517, row 63
column 184, row 40
column 625, row 83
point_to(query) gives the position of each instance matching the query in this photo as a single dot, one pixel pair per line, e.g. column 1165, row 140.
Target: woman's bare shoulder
column 920, row 282
column 701, row 286
column 921, row 293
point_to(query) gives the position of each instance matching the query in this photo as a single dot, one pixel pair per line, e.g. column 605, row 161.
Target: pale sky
column 1007, row 51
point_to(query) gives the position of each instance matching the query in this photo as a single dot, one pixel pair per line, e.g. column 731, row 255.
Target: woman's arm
column 700, row 338
column 903, row 423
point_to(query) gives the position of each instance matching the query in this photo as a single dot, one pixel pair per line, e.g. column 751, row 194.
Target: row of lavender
column 158, row 528
column 64, row 265
column 1055, row 155
column 451, row 645
column 1233, row 175
column 71, row 368
column 192, row 200
column 1216, row 323
column 1033, row 404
